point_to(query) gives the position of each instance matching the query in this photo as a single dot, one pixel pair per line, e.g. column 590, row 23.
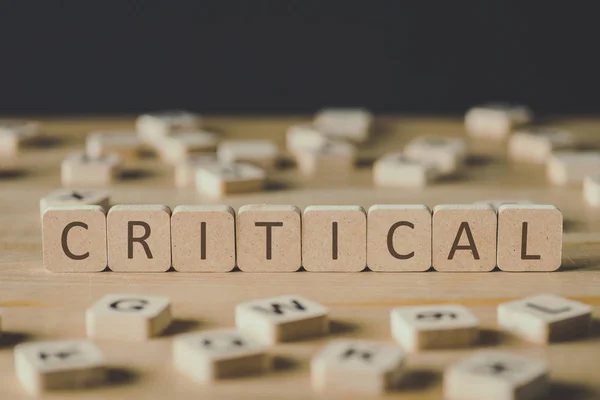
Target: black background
column 297, row 56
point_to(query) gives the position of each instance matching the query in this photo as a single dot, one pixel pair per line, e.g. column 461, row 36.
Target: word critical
column 281, row 238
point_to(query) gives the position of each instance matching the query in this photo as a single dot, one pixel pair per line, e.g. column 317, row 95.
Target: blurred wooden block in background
column 446, row 154
column 186, row 169
column 464, row 237
column 282, row 319
column 304, row 137
column 535, row 145
column 78, row 169
column 14, row 133
column 545, row 318
column 259, row 152
column 75, row 197
column 180, row 146
column 496, row 120
column 139, row 238
column 397, row 170
column 345, row 123
column 128, row 317
column 495, row 375
column 203, row 238
column 334, row 160
column 529, row 237
column 125, row 144
column 567, row 167
column 357, row 367
column 153, row 127
column 74, row 239
column 59, row 365
column 434, row 327
column 269, row 238
column 217, row 180
column 399, row 238
column 216, row 354
column 591, row 189
column 334, row 239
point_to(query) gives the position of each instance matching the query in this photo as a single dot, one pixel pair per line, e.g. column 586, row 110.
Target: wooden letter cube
column 126, row 144
column 434, row 327
column 535, row 145
column 591, row 189
column 180, row 146
column 268, row 238
column 334, row 238
column 203, row 238
column 304, row 137
column 399, row 238
column 282, row 319
column 211, row 355
column 74, row 239
column 139, row 238
column 345, row 123
column 128, row 316
column 397, row 170
column 61, row 364
column 262, row 153
column 529, row 237
column 14, row 133
column 446, row 154
column 154, row 127
column 186, row 169
column 545, row 318
column 357, row 366
column 79, row 197
column 333, row 161
column 565, row 167
column 496, row 120
column 78, row 169
column 217, row 180
column 494, row 375
column 464, row 237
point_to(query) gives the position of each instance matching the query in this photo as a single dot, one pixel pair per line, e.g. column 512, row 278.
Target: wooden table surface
column 38, row 305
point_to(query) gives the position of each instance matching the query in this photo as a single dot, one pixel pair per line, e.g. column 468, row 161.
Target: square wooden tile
column 334, row 160
column 357, row 366
column 59, row 365
column 269, row 238
column 139, row 238
column 496, row 375
column 218, row 180
column 259, row 152
column 153, row 127
column 397, row 170
column 545, row 318
column 434, row 327
column 529, row 237
column 304, row 137
column 591, row 189
column 128, row 317
column 216, row 354
column 126, row 144
column 186, row 169
column 282, row 319
column 177, row 147
column 446, row 154
column 345, row 123
column 571, row 167
column 334, row 239
column 464, row 237
column 74, row 239
column 203, row 238
column 535, row 145
column 399, row 237
column 15, row 133
column 78, row 169
column 496, row 120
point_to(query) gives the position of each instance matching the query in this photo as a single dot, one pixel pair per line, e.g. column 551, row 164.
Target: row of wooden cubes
column 281, row 238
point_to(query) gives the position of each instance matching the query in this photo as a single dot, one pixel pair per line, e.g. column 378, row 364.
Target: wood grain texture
column 36, row 304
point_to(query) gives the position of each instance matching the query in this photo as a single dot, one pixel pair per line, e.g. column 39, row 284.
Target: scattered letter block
column 567, row 167
column 55, row 365
column 139, row 238
column 357, row 366
column 74, row 239
column 434, row 327
column 78, row 169
column 154, row 127
column 79, row 197
column 464, row 237
column 126, row 144
column 333, row 160
column 529, row 237
column 179, row 146
column 262, row 153
column 535, row 145
column 494, row 375
column 14, row 133
column 211, row 355
column 304, row 137
column 203, row 238
column 128, row 316
column 496, row 120
column 591, row 189
column 345, row 123
column 186, row 169
column 397, row 170
column 268, row 238
column 545, row 318
column 334, row 239
column 399, row 238
column 282, row 319
column 446, row 154
column 217, row 180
